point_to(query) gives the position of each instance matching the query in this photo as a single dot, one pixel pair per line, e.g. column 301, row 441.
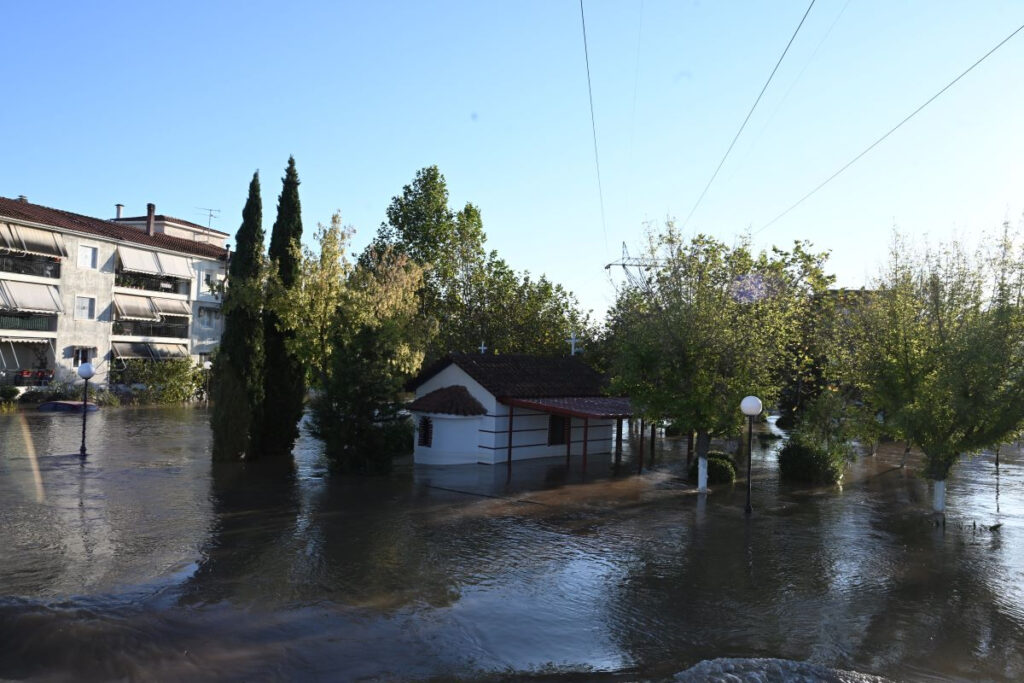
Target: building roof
column 17, row 210
column 163, row 218
column 523, row 376
column 454, row 400
column 601, row 407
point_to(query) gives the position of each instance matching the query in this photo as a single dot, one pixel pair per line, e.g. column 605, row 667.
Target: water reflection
column 170, row 567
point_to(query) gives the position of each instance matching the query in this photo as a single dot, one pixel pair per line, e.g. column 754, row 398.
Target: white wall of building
column 490, row 440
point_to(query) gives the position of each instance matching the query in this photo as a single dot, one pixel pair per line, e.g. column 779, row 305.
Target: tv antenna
column 210, row 215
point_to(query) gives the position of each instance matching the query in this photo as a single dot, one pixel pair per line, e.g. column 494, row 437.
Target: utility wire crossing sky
column 178, row 104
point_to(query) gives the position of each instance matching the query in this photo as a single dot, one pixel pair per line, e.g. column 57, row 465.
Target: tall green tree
column 713, row 325
column 284, row 377
column 237, row 381
column 310, row 308
column 475, row 296
column 378, row 340
column 939, row 352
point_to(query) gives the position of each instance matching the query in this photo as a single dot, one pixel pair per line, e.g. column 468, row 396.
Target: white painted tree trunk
column 939, row 496
column 702, row 474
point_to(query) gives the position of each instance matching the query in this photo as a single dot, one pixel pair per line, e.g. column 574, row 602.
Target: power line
column 891, row 131
column 593, row 127
column 749, row 114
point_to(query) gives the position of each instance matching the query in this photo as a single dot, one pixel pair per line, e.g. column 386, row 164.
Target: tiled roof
column 582, row 406
column 167, row 219
column 521, row 376
column 455, row 400
column 15, row 209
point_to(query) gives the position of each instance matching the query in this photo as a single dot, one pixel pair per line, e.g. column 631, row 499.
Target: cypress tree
column 237, row 382
column 284, row 385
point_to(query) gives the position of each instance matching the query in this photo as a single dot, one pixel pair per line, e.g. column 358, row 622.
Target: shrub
column 809, row 463
column 720, row 469
column 166, row 381
column 8, row 392
column 673, row 429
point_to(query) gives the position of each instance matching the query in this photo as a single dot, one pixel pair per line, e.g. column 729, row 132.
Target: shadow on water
column 150, row 562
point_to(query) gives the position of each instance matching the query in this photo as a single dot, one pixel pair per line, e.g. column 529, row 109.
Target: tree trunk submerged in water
column 703, row 445
column 906, row 452
column 939, row 496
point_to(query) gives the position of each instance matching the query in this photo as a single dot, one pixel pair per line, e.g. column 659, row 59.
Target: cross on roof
column 572, row 343
column 483, row 348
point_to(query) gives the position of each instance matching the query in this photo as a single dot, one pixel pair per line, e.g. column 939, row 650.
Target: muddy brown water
column 149, row 563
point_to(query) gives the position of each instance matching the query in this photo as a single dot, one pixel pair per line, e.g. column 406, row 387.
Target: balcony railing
column 139, row 328
column 30, row 264
column 34, row 323
column 152, row 283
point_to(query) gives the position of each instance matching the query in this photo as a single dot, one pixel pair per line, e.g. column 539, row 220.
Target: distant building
column 75, row 288
column 476, row 408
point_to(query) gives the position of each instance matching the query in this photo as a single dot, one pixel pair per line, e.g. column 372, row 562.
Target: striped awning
column 148, row 351
column 29, row 297
column 166, row 351
column 130, row 350
column 138, row 261
column 130, row 307
column 24, row 340
column 25, row 240
column 175, row 307
column 175, row 266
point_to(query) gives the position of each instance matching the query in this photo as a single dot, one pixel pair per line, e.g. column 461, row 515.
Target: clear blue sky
column 178, row 103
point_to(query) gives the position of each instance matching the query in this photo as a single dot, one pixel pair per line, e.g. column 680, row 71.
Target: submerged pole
column 510, row 411
column 586, row 437
column 618, row 441
column 568, row 439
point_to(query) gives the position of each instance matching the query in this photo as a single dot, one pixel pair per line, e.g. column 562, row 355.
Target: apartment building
column 75, row 288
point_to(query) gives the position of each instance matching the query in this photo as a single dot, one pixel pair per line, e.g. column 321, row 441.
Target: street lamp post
column 751, row 407
column 86, row 372
column 206, row 391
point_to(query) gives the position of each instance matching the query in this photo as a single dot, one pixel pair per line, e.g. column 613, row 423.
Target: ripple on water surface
column 173, row 568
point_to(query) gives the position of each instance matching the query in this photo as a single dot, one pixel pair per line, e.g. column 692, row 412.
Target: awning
column 138, row 261
column 24, row 340
column 598, row 407
column 148, row 351
column 29, row 297
column 7, row 238
column 175, row 266
column 129, row 350
column 165, row 351
column 130, row 307
column 175, row 307
column 35, row 241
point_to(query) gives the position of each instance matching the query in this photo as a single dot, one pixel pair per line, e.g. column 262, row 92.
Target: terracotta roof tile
column 454, row 400
column 522, row 376
column 15, row 209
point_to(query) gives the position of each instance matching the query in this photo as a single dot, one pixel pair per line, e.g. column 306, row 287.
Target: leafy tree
column 939, row 352
column 284, row 376
column 309, row 310
column 475, row 296
column 237, row 381
column 713, row 325
column 378, row 341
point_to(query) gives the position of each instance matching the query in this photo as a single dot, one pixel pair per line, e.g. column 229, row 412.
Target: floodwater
column 147, row 562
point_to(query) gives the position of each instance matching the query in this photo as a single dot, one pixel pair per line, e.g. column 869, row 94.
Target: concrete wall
column 530, row 436
column 97, row 283
column 454, row 440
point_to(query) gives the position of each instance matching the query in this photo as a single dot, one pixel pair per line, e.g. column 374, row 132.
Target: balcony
column 152, row 283
column 33, row 323
column 31, row 264
column 141, row 328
